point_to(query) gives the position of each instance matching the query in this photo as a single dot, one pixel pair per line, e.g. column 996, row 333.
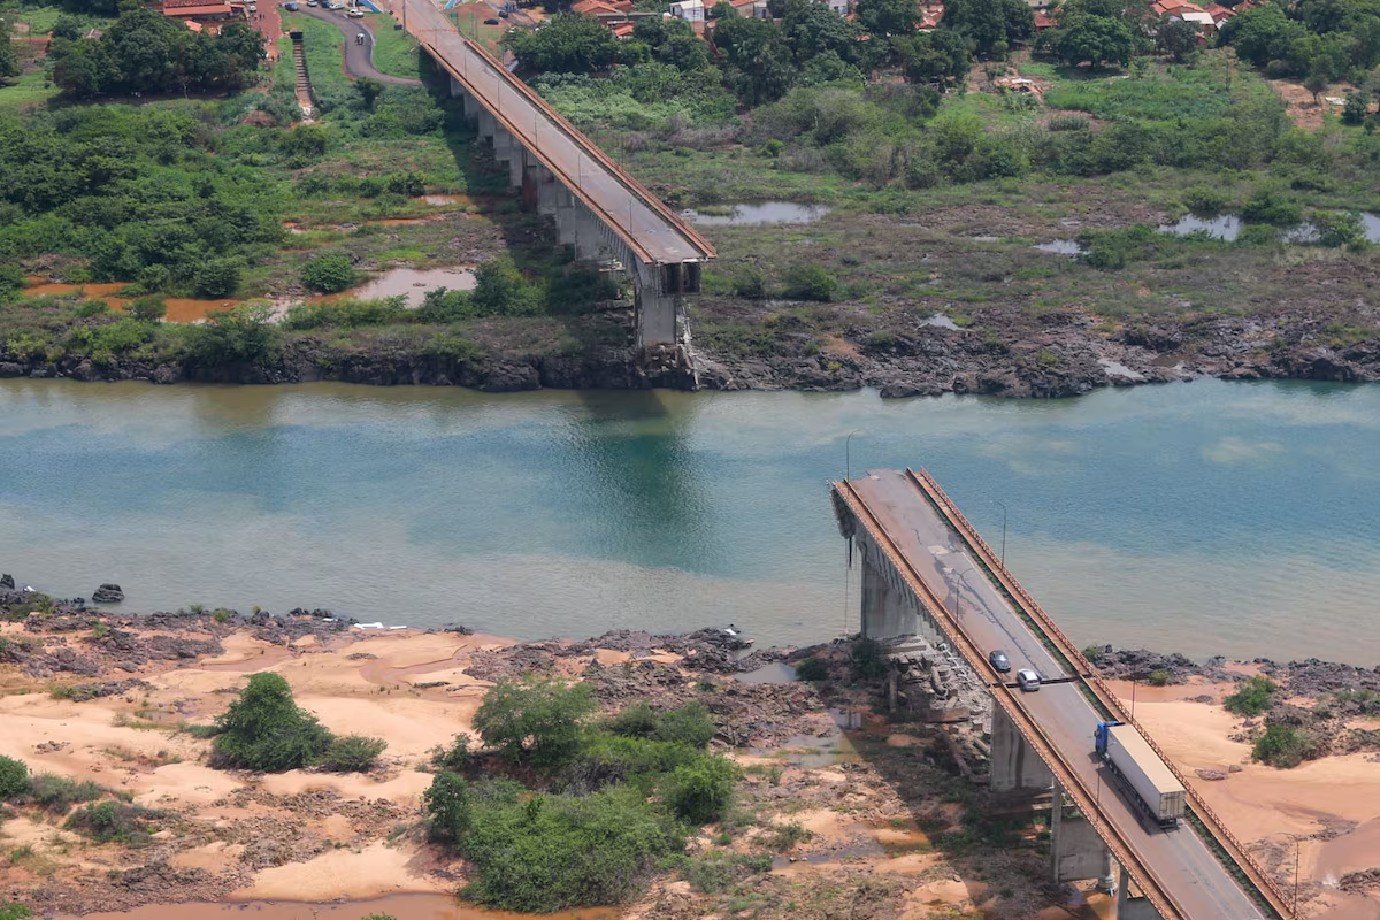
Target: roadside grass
column 395, row 52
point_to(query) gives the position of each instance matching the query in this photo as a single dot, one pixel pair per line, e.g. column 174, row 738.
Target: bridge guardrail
column 1237, row 851
column 1154, row 888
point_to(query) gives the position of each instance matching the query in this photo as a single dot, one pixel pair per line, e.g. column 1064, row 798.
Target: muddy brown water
column 180, row 309
column 401, row 906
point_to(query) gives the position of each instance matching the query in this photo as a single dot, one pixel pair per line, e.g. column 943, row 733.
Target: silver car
column 1028, row 680
column 999, row 662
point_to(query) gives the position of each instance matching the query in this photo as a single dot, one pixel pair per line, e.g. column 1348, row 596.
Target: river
column 1211, row 517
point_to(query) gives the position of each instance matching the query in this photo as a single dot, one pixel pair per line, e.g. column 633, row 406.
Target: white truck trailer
column 1143, row 775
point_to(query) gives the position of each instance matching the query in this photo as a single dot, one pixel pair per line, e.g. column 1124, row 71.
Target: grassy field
column 395, row 52
column 28, row 90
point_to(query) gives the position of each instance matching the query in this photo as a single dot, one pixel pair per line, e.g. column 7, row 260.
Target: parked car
column 355, row 12
column 290, row 6
column 999, row 661
column 311, row 2
column 1028, row 680
column 491, row 21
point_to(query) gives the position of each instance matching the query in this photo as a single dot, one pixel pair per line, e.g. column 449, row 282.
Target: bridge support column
column 885, row 614
column 1076, row 852
column 1015, row 765
column 1131, row 904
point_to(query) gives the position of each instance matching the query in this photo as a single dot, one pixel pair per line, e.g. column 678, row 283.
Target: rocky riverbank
column 1059, row 354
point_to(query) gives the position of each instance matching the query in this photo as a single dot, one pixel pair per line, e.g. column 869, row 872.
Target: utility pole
column 848, row 456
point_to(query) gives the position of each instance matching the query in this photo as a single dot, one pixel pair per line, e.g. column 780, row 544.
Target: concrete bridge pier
column 1131, row 903
column 1077, row 853
column 1015, row 765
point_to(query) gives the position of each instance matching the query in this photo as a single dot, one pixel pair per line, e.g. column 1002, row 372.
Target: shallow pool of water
column 1061, row 247
column 759, row 212
column 413, row 283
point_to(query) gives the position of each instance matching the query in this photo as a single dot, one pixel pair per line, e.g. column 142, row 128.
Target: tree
column 447, row 802
column 328, row 273
column 500, row 289
column 536, row 718
column 9, row 59
column 1316, row 82
column 1254, row 697
column 889, row 17
column 265, row 730
column 1096, row 39
column 368, row 92
column 216, row 278
column 992, row 26
column 148, row 309
column 568, row 43
column 1355, row 109
column 810, row 29
column 940, row 58
column 760, row 68
column 1176, row 38
column 14, row 777
column 700, row 792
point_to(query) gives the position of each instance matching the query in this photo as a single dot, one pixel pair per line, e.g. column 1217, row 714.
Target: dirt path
column 359, row 59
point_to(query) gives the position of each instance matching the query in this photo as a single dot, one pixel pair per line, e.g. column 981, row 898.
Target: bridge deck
column 653, row 231
column 936, row 553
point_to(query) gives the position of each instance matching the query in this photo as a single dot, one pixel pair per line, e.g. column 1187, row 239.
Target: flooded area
column 1223, row 227
column 402, row 906
column 412, row 284
column 759, row 212
column 1061, row 247
column 180, row 309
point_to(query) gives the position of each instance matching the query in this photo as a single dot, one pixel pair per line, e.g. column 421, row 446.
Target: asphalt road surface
column 359, row 59
column 1179, row 857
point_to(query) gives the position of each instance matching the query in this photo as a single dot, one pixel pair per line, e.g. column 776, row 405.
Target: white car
column 1028, row 680
column 355, row 13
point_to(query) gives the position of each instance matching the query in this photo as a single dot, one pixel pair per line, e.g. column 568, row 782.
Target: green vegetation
column 14, row 778
column 611, row 799
column 265, row 730
column 1326, row 39
column 812, row 670
column 12, row 911
column 1158, row 678
column 866, row 659
column 146, row 52
column 352, row 754
column 1254, row 696
column 57, row 794
column 112, row 822
column 329, row 273
column 1283, row 746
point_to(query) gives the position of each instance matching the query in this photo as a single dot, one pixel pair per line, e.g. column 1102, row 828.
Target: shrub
column 111, row 822
column 239, row 335
column 352, row 754
column 12, row 911
column 690, row 724
column 328, row 273
column 700, row 792
column 58, row 794
column 1270, row 206
column 1283, row 746
column 866, row 660
column 14, row 778
column 447, row 802
column 812, row 669
column 1158, row 678
column 549, row 853
column 216, row 278
column 1205, row 201
column 716, row 873
column 636, row 721
column 605, row 759
column 1254, row 697
column 500, row 289
column 1339, row 228
column 534, row 717
column 265, row 730
column 148, row 309
column 455, row 758
column 810, row 282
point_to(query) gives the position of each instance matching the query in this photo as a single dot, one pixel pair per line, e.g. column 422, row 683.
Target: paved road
column 359, row 59
column 655, row 234
column 1180, row 858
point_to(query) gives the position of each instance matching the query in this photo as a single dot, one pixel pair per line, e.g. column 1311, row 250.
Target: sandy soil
column 1332, row 805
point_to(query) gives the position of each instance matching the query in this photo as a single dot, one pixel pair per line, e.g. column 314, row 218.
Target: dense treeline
column 145, row 52
column 139, row 191
column 1322, row 39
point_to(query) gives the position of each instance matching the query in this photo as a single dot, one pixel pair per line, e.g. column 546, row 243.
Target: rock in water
column 108, row 593
column 7, row 582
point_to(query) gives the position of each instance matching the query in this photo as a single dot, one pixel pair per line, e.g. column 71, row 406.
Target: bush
column 812, row 669
column 700, row 792
column 606, row 759
column 550, row 853
column 58, row 794
column 866, row 660
column 689, row 724
column 500, row 289
column 328, row 273
column 352, row 754
column 454, row 759
column 111, row 822
column 148, row 309
column 447, row 802
column 216, row 278
column 537, row 718
column 1283, row 746
column 14, row 778
column 810, row 282
column 242, row 335
column 265, row 730
column 1158, row 678
column 716, row 872
column 12, row 911
column 1254, row 697
column 1270, row 206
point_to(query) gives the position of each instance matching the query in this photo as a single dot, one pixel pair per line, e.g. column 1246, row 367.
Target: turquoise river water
column 1233, row 518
